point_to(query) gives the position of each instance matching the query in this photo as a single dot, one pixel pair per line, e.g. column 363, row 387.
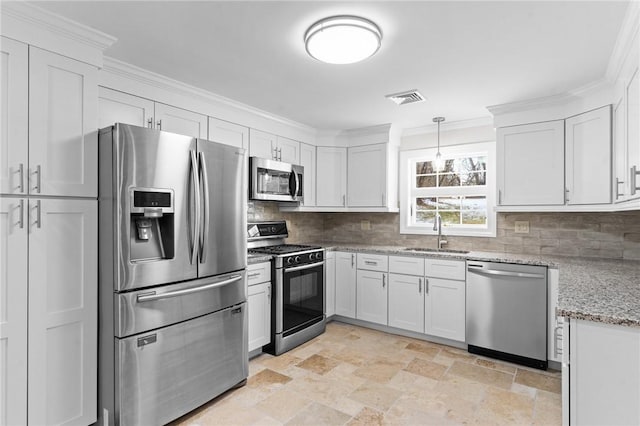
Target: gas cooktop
column 283, row 249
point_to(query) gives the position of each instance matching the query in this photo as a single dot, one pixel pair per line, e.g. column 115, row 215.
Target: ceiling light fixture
column 439, row 163
column 342, row 39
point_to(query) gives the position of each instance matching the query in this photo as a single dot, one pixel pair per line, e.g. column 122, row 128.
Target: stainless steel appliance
column 507, row 312
column 299, row 286
column 173, row 320
column 275, row 181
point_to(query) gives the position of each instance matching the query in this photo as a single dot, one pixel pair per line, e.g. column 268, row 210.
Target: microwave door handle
column 196, row 213
column 205, row 191
column 297, row 183
column 294, row 192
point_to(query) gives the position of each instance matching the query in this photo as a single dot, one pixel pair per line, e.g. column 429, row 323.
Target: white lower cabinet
column 259, row 304
column 445, row 308
column 604, row 374
column 345, row 264
column 554, row 323
column 330, row 284
column 406, row 302
column 371, row 297
column 49, row 293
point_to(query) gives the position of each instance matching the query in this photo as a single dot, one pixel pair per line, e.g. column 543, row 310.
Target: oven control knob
column 297, row 259
column 310, row 256
column 318, row 255
column 289, row 260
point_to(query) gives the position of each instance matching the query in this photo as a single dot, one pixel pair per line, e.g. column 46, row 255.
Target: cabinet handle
column 38, row 172
column 21, row 221
column 159, row 124
column 21, row 180
column 383, row 198
column 384, row 280
column 150, row 122
column 344, row 200
column 426, row 285
column 370, row 262
column 274, row 154
column 499, row 197
column 352, row 259
column 269, row 292
column 632, row 181
column 38, row 214
column 419, row 285
column 279, row 154
column 618, row 183
column 255, row 274
column 566, row 195
column 557, row 350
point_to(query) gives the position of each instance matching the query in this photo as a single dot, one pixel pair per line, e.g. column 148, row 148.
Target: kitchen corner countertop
column 592, row 289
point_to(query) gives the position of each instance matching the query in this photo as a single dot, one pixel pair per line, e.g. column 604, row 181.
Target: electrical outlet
column 522, row 227
column 365, row 225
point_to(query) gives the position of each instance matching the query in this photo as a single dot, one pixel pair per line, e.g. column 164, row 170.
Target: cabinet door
column 367, row 176
column 371, row 297
column 331, row 176
column 620, row 184
column 288, row 150
column 330, row 283
column 63, row 254
column 228, row 133
column 180, row 121
column 262, row 144
column 554, row 324
column 632, row 95
column 406, row 302
column 345, row 284
column 259, row 305
column 63, row 137
column 119, row 107
column 14, row 119
column 13, row 311
column 444, row 311
column 588, row 157
column 308, row 161
column 530, row 164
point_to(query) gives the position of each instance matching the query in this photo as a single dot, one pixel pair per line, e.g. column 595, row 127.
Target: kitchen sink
column 433, row 250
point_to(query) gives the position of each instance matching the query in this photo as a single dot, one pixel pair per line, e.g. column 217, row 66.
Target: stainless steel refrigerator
column 173, row 316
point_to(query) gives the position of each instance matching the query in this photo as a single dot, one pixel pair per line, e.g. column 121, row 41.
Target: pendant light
column 439, row 163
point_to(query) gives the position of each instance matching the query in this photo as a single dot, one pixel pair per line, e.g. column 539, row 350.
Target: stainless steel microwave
column 275, row 180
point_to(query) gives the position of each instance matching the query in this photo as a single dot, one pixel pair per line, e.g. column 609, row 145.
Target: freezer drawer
column 166, row 373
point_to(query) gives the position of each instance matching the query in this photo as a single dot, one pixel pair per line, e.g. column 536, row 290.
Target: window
column 462, row 193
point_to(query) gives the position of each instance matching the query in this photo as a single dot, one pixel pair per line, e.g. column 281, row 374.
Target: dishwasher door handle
column 478, row 270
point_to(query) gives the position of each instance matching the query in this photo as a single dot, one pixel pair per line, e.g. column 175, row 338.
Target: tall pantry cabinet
column 48, row 238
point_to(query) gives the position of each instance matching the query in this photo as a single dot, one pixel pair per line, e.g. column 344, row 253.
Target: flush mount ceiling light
column 342, row 39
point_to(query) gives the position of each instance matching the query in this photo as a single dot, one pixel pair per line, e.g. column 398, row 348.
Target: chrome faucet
column 437, row 226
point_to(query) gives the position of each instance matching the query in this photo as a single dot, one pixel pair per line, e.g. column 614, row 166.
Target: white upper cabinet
column 632, row 119
column 118, row 107
column 228, row 133
column 588, row 157
column 181, row 121
column 367, row 176
column 530, row 164
column 620, row 187
column 262, row 144
column 63, row 139
column 14, row 119
column 308, row 161
column 331, row 176
column 288, row 150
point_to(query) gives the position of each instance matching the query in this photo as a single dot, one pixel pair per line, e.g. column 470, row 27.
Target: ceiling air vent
column 408, row 97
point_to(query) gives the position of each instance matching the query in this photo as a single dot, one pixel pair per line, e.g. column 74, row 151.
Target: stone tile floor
column 356, row 376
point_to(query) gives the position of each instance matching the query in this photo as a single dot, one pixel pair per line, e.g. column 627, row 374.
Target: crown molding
column 150, row 78
column 624, row 42
column 38, row 27
column 367, row 131
column 447, row 126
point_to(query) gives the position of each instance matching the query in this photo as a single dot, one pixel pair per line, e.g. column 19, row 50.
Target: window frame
column 408, row 192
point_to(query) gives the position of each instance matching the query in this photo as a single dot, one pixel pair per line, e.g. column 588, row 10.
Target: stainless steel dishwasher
column 507, row 312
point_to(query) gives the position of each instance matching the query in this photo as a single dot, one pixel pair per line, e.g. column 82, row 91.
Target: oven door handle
column 303, row 267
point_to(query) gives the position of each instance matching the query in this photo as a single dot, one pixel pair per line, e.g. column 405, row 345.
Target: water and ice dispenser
column 152, row 230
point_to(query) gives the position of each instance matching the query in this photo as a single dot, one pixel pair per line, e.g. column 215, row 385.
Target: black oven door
column 300, row 303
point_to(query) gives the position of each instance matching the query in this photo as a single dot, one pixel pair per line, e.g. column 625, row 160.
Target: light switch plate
column 365, row 225
column 522, row 227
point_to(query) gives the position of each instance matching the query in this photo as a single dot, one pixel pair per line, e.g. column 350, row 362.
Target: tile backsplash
column 610, row 235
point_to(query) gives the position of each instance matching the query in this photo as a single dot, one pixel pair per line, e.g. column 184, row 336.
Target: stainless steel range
column 297, row 311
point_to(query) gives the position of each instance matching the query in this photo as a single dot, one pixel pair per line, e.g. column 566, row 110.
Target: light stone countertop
column 593, row 289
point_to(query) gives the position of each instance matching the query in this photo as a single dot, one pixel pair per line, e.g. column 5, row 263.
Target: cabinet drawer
column 259, row 273
column 372, row 262
column 406, row 265
column 448, row 269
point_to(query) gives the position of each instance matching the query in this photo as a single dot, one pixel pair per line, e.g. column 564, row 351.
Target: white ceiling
column 461, row 55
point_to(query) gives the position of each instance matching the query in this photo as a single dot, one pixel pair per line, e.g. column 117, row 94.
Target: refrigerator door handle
column 205, row 191
column 196, row 215
column 151, row 296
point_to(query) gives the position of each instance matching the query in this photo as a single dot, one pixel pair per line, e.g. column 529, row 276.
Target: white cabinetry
column 367, row 176
column 345, row 284
column 330, row 284
column 59, row 273
column 331, row 176
column 288, row 150
column 530, row 164
column 554, row 323
column 308, row 161
column 445, row 296
column 406, row 293
column 119, row 107
column 278, row 148
column 259, row 304
column 588, row 157
column 598, row 395
column 372, row 289
column 228, row 133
